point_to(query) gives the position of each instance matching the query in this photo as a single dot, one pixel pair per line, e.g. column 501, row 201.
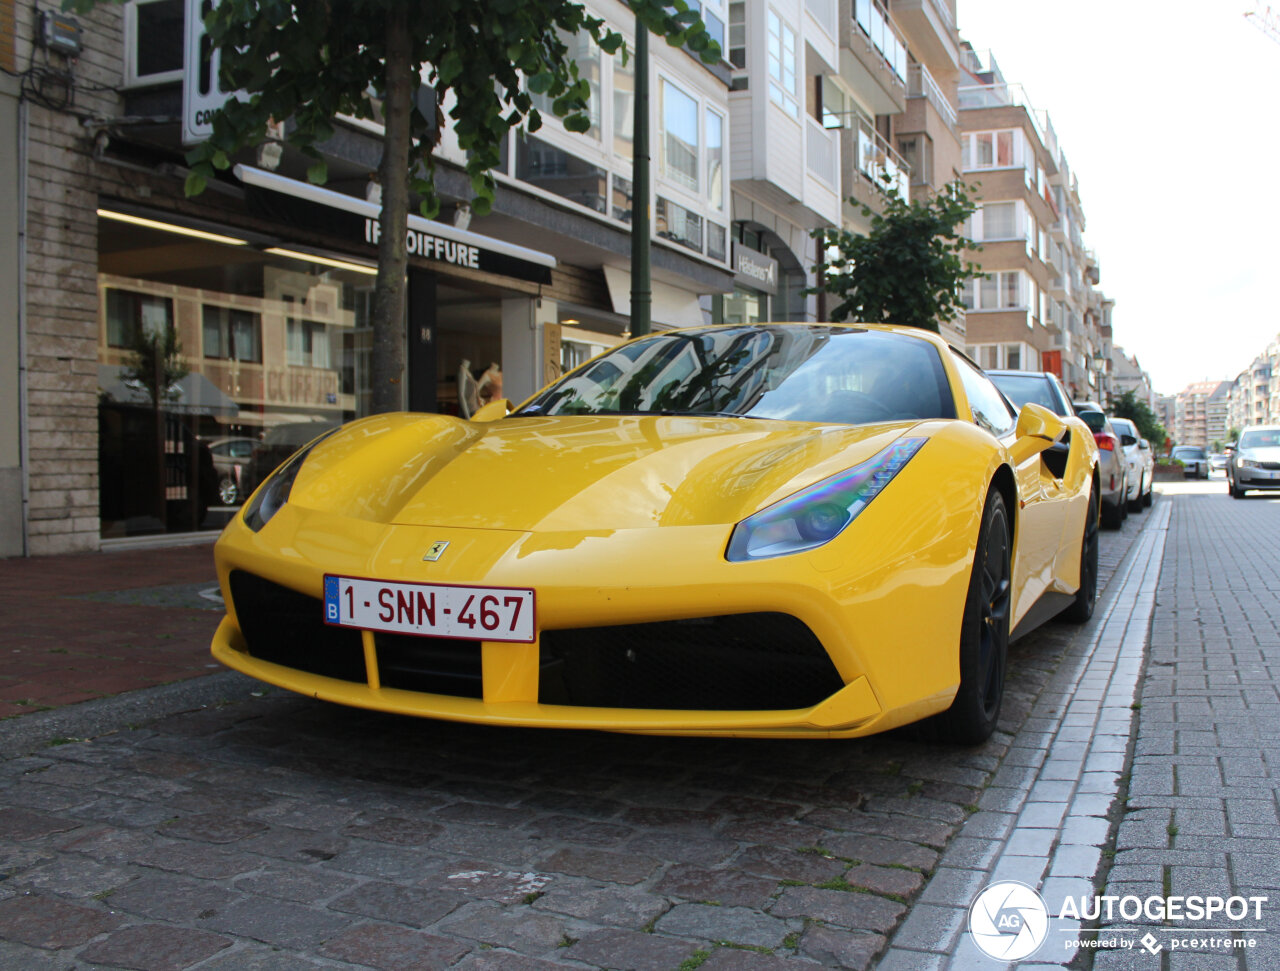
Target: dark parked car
column 1256, row 461
column 1194, row 459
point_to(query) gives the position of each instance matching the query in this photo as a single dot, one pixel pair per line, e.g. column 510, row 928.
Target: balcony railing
column 824, row 12
column 1000, row 94
column 874, row 157
column 875, row 23
column 821, row 153
column 920, row 84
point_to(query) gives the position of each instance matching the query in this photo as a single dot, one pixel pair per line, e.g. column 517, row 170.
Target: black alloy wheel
column 984, row 634
column 1081, row 609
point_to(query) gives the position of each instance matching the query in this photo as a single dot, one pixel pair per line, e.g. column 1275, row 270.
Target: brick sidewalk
column 96, row 624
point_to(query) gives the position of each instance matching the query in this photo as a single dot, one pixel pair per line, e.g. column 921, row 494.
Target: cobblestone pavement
column 273, row 832
column 1201, row 816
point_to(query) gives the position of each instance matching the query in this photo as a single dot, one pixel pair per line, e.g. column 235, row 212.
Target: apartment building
column 1200, row 413
column 1126, row 374
column 1036, row 306
column 1254, row 396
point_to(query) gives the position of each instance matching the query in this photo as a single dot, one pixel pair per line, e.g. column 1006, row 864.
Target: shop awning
column 671, row 305
column 192, row 395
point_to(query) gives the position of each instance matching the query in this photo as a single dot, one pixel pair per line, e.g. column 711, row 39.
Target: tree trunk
column 393, row 259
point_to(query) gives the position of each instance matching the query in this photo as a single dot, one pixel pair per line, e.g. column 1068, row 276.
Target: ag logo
column 435, row 551
column 1008, row 921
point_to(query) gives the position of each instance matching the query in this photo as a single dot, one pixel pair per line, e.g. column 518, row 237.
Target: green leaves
column 909, row 268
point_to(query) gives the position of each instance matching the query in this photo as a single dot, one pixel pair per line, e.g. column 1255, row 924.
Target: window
column 715, row 242
column 715, row 160
column 1001, row 290
column 738, row 35
column 782, row 66
column 130, row 314
column 622, row 198
column 306, row 343
column 583, row 51
column 679, row 137
column 153, row 41
column 999, row 220
column 991, row 149
column 1013, row 357
column 624, row 99
column 555, row 170
column 231, row 335
column 678, row 224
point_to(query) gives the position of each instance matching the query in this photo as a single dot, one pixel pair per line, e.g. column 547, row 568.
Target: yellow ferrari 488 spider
column 767, row 530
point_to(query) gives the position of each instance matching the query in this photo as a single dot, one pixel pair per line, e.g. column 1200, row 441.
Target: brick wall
column 61, row 279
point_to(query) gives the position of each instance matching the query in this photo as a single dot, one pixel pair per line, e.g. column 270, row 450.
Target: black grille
column 741, row 662
column 439, row 665
column 286, row 627
column 1270, row 465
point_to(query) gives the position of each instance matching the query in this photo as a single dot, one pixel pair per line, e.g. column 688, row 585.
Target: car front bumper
column 888, row 631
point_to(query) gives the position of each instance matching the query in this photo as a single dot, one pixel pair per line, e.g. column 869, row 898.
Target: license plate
column 430, row 609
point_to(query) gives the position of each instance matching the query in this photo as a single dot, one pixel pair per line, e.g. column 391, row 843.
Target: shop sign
column 202, row 94
column 429, row 247
column 754, row 270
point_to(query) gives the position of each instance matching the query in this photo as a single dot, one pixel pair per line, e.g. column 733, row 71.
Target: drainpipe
column 641, row 287
column 24, row 444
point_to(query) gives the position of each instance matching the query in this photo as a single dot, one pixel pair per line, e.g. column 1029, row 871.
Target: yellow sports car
column 768, row 530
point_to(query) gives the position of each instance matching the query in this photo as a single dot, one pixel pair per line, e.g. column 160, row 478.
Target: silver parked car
column 1256, row 462
column 1113, row 468
column 1194, row 459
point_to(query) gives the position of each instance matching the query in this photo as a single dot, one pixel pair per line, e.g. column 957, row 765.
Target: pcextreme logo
column 1009, row 921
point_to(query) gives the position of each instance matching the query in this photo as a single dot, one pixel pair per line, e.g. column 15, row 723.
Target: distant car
column 1194, row 459
column 1112, row 464
column 1217, row 462
column 1141, row 464
column 278, row 443
column 1256, row 462
column 231, row 460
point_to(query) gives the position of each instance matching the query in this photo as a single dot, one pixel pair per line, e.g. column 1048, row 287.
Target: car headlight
column 1243, row 463
column 269, row 499
column 819, row 513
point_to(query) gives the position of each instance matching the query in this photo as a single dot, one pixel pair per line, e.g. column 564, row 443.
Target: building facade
column 1035, row 307
column 1200, row 413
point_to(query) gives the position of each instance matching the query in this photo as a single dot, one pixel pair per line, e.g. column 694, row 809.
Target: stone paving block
column 413, row 906
column 211, row 828
column 519, row 929
column 394, row 948
column 901, row 959
column 280, row 922
column 970, row 853
column 155, row 947
column 841, row 949
column 45, row 921
column 852, row 910
column 393, row 829
column 932, row 928
column 734, row 925
column 783, row 864
column 1023, row 869
column 492, row 959
column 300, row 884
column 162, row 896
column 736, row 959
column 619, row 906
column 24, row 824
column 1030, row 842
column 70, row 877
column 630, row 950
column 679, row 848
column 584, row 832
column 952, row 886
column 600, row 865
column 727, row 887
column 1085, row 830
column 502, row 886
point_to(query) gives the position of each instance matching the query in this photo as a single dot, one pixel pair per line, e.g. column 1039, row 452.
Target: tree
column 910, row 268
column 155, row 363
column 1129, row 405
column 308, row 61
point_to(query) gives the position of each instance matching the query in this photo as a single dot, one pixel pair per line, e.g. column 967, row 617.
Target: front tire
column 984, row 634
column 1081, row 608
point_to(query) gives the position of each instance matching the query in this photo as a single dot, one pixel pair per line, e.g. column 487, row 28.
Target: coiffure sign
column 754, row 270
column 429, row 247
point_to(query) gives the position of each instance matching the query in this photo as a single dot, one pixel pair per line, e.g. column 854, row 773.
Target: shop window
column 678, row 224
column 154, row 41
column 543, row 165
column 231, row 335
column 130, row 314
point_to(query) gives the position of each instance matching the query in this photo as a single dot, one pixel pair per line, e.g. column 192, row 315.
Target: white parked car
column 1140, row 461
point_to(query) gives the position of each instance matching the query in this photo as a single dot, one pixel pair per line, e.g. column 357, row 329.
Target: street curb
column 88, row 719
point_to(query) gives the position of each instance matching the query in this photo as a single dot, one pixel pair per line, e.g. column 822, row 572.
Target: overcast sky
column 1167, row 112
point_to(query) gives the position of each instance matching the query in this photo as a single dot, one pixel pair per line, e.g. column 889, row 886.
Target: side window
column 987, row 404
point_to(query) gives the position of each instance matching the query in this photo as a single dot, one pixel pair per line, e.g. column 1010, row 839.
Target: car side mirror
column 498, row 408
column 1037, row 429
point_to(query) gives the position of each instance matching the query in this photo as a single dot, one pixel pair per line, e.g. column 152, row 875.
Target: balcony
column 1001, row 94
column 873, row 56
column 930, row 27
column 920, row 84
column 868, row 163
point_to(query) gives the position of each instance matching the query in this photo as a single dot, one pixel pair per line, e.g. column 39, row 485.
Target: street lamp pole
column 641, row 285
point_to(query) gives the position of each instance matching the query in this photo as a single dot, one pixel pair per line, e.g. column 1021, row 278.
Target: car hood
column 1269, row 453
column 574, row 473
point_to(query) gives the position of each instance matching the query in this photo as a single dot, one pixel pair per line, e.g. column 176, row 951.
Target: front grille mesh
column 438, row 665
column 285, row 627
column 739, row 662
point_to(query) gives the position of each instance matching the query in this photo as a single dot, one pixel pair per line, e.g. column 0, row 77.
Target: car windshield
column 1189, row 452
column 1259, row 438
column 1096, row 420
column 785, row 372
column 1021, row 388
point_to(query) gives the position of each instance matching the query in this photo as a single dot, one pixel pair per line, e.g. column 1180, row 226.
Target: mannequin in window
column 468, row 390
